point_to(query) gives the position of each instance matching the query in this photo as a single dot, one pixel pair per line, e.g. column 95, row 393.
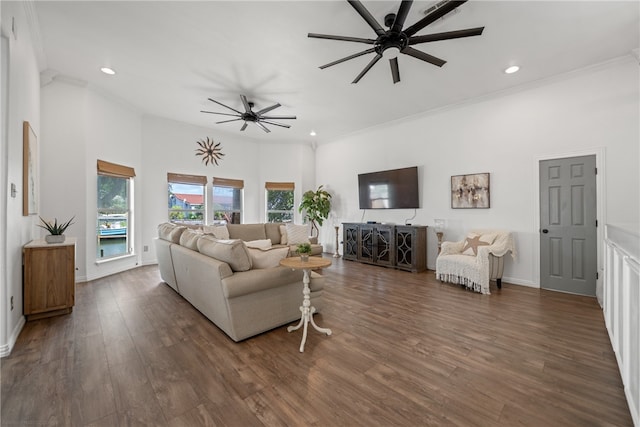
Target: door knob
column 545, row 231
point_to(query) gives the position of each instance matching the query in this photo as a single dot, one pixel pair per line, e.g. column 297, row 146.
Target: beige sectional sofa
column 218, row 277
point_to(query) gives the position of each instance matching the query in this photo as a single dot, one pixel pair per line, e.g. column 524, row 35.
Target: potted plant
column 304, row 250
column 316, row 206
column 56, row 230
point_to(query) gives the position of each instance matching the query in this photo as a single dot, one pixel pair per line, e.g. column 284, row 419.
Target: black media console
column 397, row 246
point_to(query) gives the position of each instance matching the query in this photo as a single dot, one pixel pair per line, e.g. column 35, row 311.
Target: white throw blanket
column 468, row 270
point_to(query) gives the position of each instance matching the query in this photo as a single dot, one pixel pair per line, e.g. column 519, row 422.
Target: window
column 227, row 200
column 115, row 212
column 186, row 198
column 279, row 201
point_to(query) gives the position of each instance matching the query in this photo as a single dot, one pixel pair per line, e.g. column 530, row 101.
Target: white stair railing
column 621, row 305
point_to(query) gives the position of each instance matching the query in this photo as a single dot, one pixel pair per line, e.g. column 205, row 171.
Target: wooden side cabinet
column 49, row 280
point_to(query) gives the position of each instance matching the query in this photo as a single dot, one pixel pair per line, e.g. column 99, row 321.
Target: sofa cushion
column 218, row 231
column 283, row 234
column 170, row 232
column 474, row 240
column 297, row 234
column 189, row 239
column 233, row 252
column 259, row 244
column 272, row 230
column 246, row 232
column 267, row 258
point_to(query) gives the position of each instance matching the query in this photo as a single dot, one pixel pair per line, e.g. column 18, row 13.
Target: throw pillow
column 297, row 234
column 267, row 258
column 170, row 232
column 474, row 240
column 233, row 252
column 259, row 244
column 189, row 239
column 218, row 231
column 283, row 234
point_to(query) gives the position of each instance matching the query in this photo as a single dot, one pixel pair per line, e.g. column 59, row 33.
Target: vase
column 54, row 238
column 304, row 257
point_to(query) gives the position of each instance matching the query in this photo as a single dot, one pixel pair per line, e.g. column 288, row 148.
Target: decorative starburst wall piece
column 210, row 151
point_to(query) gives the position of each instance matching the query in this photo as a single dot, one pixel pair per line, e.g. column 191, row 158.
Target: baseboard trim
column 5, row 349
column 520, row 282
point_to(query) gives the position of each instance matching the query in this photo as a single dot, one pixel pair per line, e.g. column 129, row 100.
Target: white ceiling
column 171, row 56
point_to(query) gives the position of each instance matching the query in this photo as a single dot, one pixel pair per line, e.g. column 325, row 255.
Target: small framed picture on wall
column 470, row 191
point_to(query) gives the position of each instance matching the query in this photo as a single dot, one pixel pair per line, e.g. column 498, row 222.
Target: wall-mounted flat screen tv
column 391, row 189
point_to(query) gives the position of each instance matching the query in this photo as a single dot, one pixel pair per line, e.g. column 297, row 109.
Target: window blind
column 179, row 178
column 113, row 169
column 280, row 186
column 225, row 182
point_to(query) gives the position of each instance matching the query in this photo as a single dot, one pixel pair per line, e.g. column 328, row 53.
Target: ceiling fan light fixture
column 108, row 70
column 512, row 69
column 391, row 52
column 312, row 133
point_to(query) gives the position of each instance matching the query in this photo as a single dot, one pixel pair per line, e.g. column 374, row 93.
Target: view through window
column 186, row 198
column 227, row 200
column 114, row 213
column 279, row 199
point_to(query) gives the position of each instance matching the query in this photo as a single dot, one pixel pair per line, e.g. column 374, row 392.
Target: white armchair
column 476, row 260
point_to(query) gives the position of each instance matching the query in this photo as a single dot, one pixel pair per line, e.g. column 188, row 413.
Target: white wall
column 81, row 126
column 169, row 146
column 23, row 101
column 597, row 108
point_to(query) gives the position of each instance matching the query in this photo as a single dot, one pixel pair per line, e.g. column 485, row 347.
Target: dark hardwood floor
column 406, row 350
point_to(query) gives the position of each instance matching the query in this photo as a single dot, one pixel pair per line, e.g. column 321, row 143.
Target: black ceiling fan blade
column 433, row 16
column 367, row 68
column 355, row 55
column 395, row 71
column 341, row 38
column 448, row 35
column 247, row 107
column 423, row 56
column 278, row 117
column 244, row 126
column 266, row 110
column 403, row 11
column 367, row 16
column 222, row 114
column 263, row 127
column 225, row 106
column 227, row 121
column 275, row 124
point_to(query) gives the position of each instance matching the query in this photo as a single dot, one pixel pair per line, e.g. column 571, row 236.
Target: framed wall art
column 29, row 170
column 470, row 191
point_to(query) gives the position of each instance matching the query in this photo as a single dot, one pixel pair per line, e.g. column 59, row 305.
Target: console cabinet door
column 366, row 244
column 350, row 241
column 49, row 279
column 383, row 245
column 411, row 248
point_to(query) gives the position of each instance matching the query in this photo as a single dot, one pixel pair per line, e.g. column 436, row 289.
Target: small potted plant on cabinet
column 56, row 230
column 304, row 250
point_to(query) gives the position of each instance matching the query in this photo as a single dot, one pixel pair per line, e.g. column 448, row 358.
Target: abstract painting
column 29, row 170
column 470, row 191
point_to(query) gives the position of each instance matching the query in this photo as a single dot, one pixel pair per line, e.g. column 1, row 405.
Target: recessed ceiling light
column 108, row 70
column 312, row 133
column 511, row 69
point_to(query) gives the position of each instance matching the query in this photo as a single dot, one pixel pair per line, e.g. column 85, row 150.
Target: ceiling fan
column 398, row 40
column 257, row 117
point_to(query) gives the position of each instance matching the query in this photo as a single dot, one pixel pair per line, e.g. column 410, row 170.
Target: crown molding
column 34, row 31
